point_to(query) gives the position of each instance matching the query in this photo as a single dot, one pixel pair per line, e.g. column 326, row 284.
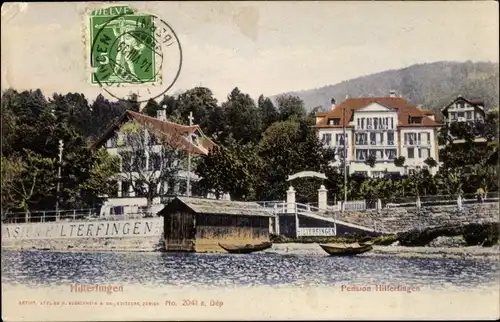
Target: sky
column 260, row 47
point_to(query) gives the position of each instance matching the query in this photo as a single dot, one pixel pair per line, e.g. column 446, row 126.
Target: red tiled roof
column 428, row 112
column 176, row 134
column 403, row 108
column 477, row 102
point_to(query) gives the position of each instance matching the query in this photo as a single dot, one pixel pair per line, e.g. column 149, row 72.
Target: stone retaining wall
column 127, row 235
column 136, row 244
column 404, row 219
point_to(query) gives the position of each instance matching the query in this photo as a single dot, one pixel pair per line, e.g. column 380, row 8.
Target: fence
column 421, row 202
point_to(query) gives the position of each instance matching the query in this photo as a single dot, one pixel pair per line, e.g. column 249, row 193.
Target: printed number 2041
column 189, row 302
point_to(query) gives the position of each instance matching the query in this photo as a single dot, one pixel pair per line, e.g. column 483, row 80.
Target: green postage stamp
column 129, row 48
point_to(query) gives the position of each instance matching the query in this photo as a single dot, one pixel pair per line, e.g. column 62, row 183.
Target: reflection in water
column 36, row 268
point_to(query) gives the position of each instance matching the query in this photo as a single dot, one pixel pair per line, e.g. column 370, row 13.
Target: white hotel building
column 386, row 127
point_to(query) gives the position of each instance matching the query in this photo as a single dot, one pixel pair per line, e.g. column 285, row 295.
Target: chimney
column 392, row 93
column 333, row 103
column 161, row 113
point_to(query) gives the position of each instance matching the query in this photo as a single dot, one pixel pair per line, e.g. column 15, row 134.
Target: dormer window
column 414, row 120
column 333, row 121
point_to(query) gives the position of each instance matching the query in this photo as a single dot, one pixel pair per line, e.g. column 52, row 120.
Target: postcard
column 224, row 160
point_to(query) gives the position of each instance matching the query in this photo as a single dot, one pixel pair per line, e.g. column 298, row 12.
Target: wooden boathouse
column 199, row 225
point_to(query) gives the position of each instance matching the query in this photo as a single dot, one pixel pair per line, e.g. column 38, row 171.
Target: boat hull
column 245, row 249
column 346, row 251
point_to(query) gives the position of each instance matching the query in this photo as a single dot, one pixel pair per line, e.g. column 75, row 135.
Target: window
column 380, row 138
column 327, row 139
column 334, row 121
column 373, row 138
column 154, row 162
column 460, row 114
column 414, row 120
column 126, row 188
column 410, row 138
column 460, row 105
column 390, row 138
column 361, row 154
column 361, row 173
column 390, row 154
column 361, row 138
column 426, row 138
column 116, row 210
column 423, row 153
column 453, row 116
column 468, row 115
column 339, row 139
column 111, row 143
column 411, row 153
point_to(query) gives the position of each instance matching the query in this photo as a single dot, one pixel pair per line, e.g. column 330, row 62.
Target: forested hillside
column 432, row 85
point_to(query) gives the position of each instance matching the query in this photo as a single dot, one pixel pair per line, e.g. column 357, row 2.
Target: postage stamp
column 131, row 49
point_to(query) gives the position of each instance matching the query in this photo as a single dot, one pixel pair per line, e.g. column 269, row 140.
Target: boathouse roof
column 219, row 207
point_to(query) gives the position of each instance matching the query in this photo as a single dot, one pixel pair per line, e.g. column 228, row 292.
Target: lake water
column 34, row 268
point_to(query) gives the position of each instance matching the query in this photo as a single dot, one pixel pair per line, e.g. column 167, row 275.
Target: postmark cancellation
column 127, row 48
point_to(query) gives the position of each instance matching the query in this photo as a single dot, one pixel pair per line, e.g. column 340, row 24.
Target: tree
column 35, row 178
column 371, row 160
column 241, row 117
column 288, row 147
column 152, row 107
column 104, row 168
column 231, row 169
column 399, row 161
column 150, row 160
column 268, row 111
column 200, row 101
column 430, row 162
column 290, row 106
column 103, row 114
column 132, row 103
column 12, row 169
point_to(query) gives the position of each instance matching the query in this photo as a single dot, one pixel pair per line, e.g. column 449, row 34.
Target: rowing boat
column 338, row 250
column 245, row 249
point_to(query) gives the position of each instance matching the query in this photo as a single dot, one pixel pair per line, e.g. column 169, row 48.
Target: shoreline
column 469, row 252
column 313, row 249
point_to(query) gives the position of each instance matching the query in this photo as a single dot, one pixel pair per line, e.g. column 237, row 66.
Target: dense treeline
column 433, row 85
column 260, row 145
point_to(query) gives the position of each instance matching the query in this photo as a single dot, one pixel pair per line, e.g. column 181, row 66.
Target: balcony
column 374, row 128
column 417, row 143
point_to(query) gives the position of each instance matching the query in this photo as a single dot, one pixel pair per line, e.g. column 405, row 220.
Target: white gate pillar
column 322, row 197
column 290, row 200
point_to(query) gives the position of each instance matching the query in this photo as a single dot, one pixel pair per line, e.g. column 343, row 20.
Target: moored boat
column 245, row 249
column 339, row 250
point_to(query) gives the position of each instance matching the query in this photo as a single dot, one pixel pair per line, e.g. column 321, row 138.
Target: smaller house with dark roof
column 157, row 131
column 381, row 129
column 464, row 110
column 199, row 225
